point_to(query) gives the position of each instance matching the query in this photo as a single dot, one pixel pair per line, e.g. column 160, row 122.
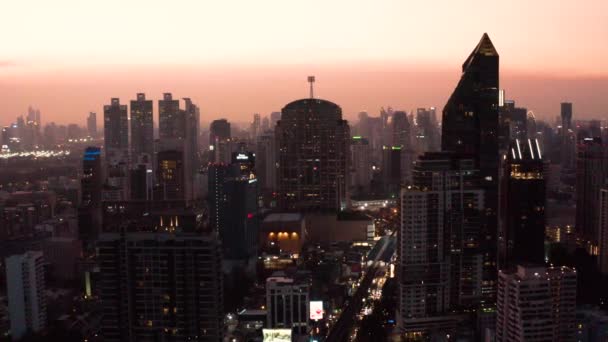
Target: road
column 341, row 329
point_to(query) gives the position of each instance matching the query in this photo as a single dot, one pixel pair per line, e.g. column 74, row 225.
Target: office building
column 391, row 170
column 568, row 137
column 523, row 206
column 288, row 302
column 266, row 168
column 427, row 136
column 313, row 156
column 193, row 122
column 142, row 129
column 219, row 136
column 92, row 177
column 160, row 273
column 536, row 303
column 402, row 137
column 116, row 144
column 92, row 124
column 439, row 245
column 361, row 164
column 602, row 234
column 25, row 291
column 513, row 124
column 591, row 175
column 470, row 126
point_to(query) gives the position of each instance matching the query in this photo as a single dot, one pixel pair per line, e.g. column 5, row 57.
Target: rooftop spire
column 311, row 80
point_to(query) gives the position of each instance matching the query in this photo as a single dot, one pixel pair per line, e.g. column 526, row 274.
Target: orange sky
column 235, row 58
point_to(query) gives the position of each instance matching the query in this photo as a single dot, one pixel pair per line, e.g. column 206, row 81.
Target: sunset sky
column 235, row 58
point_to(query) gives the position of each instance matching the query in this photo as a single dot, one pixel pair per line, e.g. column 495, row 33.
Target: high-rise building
column 402, row 137
column 176, row 162
column 591, row 175
column 116, row 144
column 171, row 175
column 193, row 120
column 523, row 206
column 161, row 275
column 602, row 234
column 116, row 131
column 536, row 304
column 92, row 176
column 427, row 136
column 142, row 129
column 287, row 302
column 25, row 289
column 172, row 122
column 313, row 156
column 513, row 124
column 233, row 195
column 219, row 135
column 470, row 126
column 566, row 115
column 361, row 163
column 266, row 160
column 568, row 138
column 92, row 124
column 274, row 118
column 439, row 245
column 391, row 170
column 256, row 126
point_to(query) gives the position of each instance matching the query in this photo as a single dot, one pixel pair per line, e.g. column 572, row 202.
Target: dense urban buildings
column 490, row 224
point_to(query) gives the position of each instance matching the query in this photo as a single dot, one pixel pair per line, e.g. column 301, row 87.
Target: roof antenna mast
column 311, row 80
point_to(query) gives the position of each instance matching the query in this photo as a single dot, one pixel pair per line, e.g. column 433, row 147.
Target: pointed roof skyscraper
column 470, row 127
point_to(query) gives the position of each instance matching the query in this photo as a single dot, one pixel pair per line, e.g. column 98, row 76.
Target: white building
column 287, row 302
column 536, row 304
column 25, row 290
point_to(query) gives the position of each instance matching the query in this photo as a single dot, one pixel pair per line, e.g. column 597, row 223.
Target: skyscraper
column 470, row 126
column 361, row 164
column 92, row 124
column 116, row 131
column 602, row 259
column 193, row 122
column 591, row 175
column 402, row 137
column 172, row 122
column 313, row 148
column 536, row 304
column 25, row 288
column 568, row 138
column 266, row 160
column 116, row 140
column 161, row 278
column 142, row 129
column 218, row 137
column 175, row 158
column 523, row 203
column 92, row 176
column 439, row 255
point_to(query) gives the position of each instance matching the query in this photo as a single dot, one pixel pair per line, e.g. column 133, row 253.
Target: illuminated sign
column 242, row 156
column 276, row 335
column 316, row 310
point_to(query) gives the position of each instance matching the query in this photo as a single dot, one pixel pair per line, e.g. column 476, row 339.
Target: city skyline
column 370, row 56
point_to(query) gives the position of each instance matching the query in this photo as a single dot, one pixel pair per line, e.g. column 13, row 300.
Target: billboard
column 276, row 335
column 316, row 310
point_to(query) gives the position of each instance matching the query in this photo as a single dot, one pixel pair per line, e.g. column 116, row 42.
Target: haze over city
column 235, row 59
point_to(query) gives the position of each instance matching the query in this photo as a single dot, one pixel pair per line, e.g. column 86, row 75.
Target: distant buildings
column 142, row 129
column 536, row 304
column 313, row 156
column 25, row 292
column 92, row 124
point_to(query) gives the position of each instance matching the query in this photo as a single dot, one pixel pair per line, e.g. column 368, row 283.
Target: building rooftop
column 283, row 217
